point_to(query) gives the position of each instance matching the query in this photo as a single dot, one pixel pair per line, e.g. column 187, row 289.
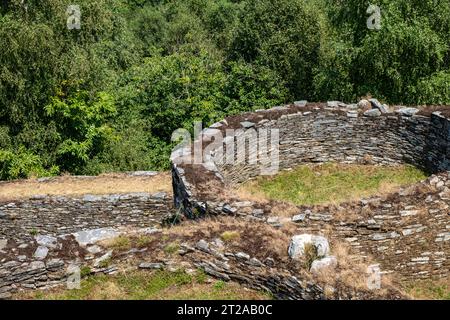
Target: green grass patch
column 429, row 289
column 147, row 285
column 172, row 248
column 332, row 183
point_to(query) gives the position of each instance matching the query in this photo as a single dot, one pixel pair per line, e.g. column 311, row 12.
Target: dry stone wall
column 408, row 232
column 327, row 135
column 42, row 237
column 57, row 215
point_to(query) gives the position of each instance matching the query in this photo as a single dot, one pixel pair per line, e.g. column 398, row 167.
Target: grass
column 121, row 243
column 103, row 184
column 229, row 236
column 311, row 254
column 144, row 241
column 331, row 183
column 172, row 248
column 429, row 289
column 146, row 285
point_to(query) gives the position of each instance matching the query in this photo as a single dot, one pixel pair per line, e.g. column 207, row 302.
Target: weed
column 172, row 248
column 310, row 255
column 85, row 271
column 219, row 285
column 229, row 236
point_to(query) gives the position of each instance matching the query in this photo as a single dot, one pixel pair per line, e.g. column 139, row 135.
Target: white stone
column 218, row 243
column 94, row 249
column 372, row 113
column 408, row 111
column 149, row 230
column 333, row 104
column 37, row 265
column 92, row 236
column 273, row 220
column 150, row 265
column 297, row 246
column 47, row 241
column 376, row 104
column 299, row 217
column 352, row 114
column 323, row 264
column 300, row 103
column 203, row 245
column 143, row 173
column 41, row 252
column 247, row 124
column 242, row 255
column 408, row 213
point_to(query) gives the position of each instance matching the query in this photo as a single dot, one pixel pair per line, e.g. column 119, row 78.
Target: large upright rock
column 297, row 246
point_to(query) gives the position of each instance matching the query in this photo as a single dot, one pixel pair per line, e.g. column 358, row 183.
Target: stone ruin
column 407, row 232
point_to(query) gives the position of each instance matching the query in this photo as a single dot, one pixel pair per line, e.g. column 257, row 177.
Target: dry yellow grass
column 352, row 271
column 245, row 192
column 68, row 185
column 284, row 209
column 254, row 238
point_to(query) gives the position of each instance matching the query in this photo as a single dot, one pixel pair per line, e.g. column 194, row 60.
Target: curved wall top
column 407, row 231
column 367, row 132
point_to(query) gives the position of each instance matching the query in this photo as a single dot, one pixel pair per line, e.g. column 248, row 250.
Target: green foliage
column 432, row 90
column 82, row 126
column 22, row 164
column 108, row 96
column 219, row 285
column 85, row 271
column 172, row 91
column 403, row 62
column 428, row 289
column 284, row 35
column 172, row 248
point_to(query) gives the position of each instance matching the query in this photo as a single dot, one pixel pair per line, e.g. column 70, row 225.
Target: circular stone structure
column 408, row 232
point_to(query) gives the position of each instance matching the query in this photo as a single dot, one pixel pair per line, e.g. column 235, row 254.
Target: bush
column 433, row 90
column 107, row 97
column 22, row 164
column 284, row 35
